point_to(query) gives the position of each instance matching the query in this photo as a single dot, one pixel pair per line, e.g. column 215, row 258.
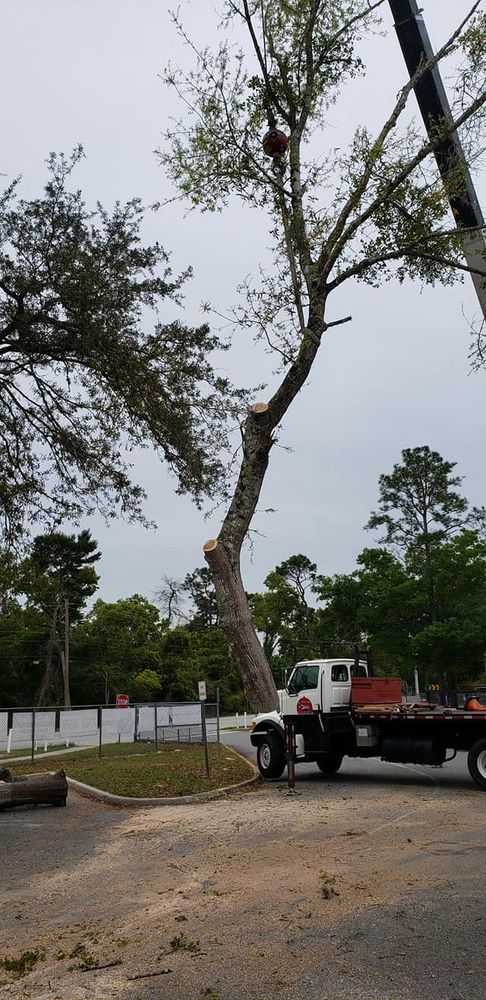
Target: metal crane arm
column 434, row 107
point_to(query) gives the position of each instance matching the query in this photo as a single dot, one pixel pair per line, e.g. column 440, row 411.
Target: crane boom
column 434, row 107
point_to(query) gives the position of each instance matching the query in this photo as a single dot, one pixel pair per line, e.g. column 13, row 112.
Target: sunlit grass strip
column 135, row 770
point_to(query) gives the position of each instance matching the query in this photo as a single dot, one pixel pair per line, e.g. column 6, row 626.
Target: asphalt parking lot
column 368, row 885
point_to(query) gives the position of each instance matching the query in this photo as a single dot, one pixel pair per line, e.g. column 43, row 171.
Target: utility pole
column 65, row 670
column 435, row 108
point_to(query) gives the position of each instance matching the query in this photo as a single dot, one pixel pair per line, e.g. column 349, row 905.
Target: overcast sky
column 89, row 71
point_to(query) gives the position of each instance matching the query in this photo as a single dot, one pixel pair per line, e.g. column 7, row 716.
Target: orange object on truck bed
column 376, row 691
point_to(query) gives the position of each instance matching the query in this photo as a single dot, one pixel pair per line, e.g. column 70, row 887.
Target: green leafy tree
column 24, row 636
column 275, row 612
column 178, row 668
column 9, row 571
column 385, row 604
column 199, row 586
column 368, row 213
column 419, row 508
column 452, row 646
column 115, row 643
column 57, row 578
column 215, row 664
column 145, row 686
column 283, row 616
column 83, row 379
column 380, row 604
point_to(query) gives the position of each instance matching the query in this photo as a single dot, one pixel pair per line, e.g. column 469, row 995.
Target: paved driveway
column 454, row 774
column 369, row 885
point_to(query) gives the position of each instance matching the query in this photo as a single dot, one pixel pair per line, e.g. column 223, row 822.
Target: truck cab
column 320, row 686
column 323, row 686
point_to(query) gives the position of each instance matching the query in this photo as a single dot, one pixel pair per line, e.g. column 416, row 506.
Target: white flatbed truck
column 332, row 708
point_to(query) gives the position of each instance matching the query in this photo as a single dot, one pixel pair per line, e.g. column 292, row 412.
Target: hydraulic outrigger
column 434, row 107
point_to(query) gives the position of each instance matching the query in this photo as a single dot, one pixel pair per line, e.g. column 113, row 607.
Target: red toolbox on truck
column 376, row 690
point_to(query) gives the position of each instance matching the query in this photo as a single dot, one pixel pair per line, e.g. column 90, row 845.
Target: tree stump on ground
column 32, row 789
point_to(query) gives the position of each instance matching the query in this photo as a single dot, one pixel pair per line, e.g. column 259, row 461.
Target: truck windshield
column 304, row 678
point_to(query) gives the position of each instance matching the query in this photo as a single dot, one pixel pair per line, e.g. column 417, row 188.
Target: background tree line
column 418, row 598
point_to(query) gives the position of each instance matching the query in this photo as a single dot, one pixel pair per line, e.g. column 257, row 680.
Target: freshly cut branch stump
column 32, row 789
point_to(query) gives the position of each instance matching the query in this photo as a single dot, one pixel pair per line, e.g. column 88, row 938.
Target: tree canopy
column 57, row 578
column 418, row 503
column 89, row 368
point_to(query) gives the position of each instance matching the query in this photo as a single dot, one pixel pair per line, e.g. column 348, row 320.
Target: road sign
column 122, row 701
column 202, row 690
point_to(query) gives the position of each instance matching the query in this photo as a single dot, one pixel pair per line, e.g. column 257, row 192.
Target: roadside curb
column 127, row 800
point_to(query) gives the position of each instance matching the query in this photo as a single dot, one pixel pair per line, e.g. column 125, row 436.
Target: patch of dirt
column 338, row 892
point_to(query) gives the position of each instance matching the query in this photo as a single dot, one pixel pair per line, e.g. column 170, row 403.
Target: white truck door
column 303, row 687
column 340, row 685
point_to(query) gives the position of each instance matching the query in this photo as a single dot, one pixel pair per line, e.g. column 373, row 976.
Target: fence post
column 156, row 733
column 100, row 729
column 218, row 729
column 205, row 736
column 135, row 732
column 32, row 750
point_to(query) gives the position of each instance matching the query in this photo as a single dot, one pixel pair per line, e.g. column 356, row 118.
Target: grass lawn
column 132, row 769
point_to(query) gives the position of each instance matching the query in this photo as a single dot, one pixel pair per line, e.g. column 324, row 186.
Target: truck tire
column 329, row 763
column 476, row 762
column 271, row 756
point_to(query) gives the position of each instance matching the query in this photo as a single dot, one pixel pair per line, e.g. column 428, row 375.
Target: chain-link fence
column 34, row 732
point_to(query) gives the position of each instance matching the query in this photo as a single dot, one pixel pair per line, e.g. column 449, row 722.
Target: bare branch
column 342, row 233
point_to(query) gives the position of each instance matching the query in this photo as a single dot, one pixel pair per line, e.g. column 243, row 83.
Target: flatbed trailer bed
column 406, row 734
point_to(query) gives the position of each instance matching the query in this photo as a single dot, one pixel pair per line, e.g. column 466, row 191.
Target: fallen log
column 32, row 789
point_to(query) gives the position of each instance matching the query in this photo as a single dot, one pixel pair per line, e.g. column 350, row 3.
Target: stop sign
column 122, row 701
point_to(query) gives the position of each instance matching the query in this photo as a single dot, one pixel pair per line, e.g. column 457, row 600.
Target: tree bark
column 223, row 554
column 47, row 679
column 31, row 789
column 237, row 623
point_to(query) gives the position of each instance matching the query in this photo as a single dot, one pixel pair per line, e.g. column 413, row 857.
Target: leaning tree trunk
column 237, row 623
column 223, row 553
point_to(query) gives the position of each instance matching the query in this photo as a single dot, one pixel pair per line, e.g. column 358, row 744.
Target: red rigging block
column 376, row 690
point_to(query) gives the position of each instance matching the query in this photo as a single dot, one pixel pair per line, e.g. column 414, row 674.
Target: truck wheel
column 271, row 756
column 329, row 763
column 476, row 762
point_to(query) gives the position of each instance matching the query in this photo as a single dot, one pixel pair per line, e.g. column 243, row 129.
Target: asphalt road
column 452, row 775
column 85, row 824
column 369, row 885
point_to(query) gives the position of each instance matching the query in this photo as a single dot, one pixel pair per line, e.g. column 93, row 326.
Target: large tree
column 380, row 603
column 88, row 368
column 57, row 578
column 385, row 603
column 282, row 613
column 419, row 508
column 116, row 642
column 377, row 210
